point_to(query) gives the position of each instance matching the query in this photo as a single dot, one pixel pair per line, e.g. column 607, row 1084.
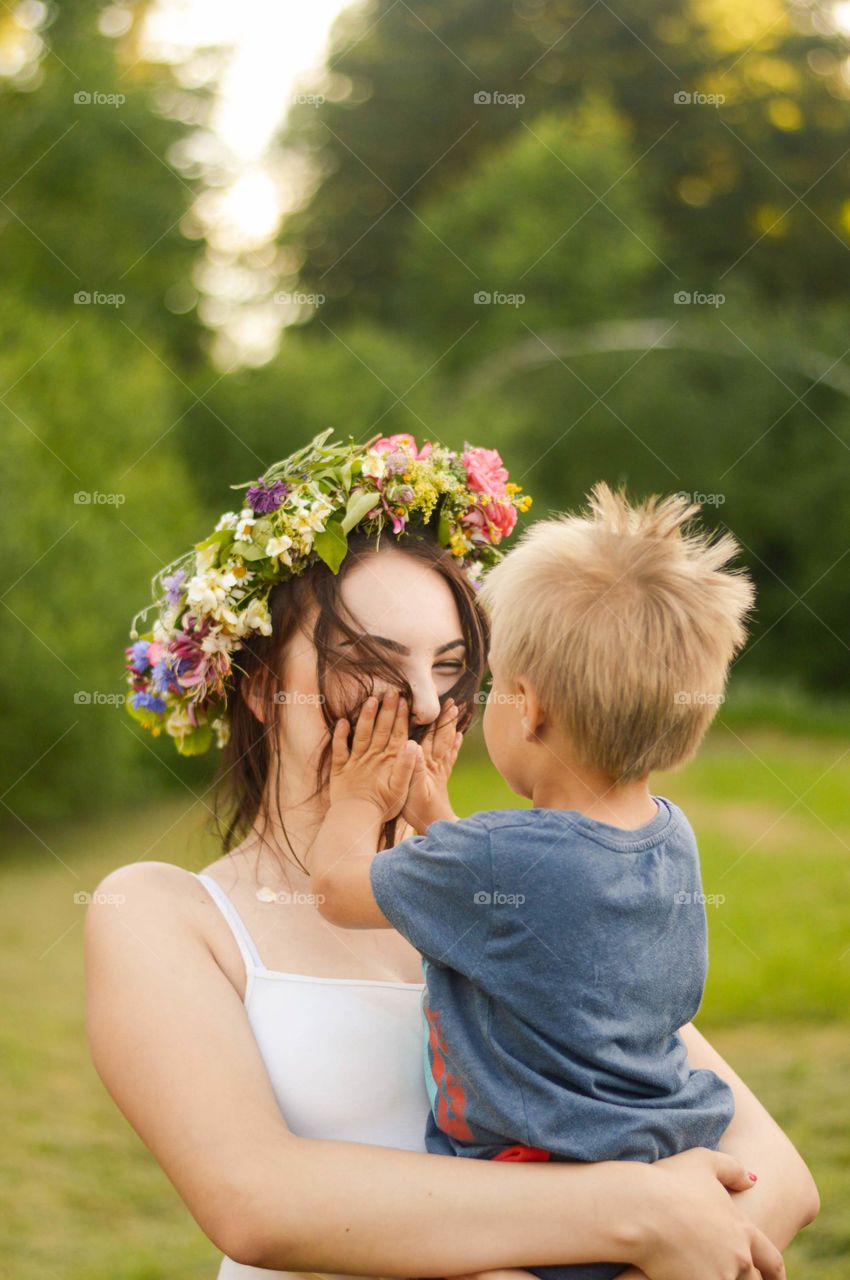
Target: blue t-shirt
column 561, row 956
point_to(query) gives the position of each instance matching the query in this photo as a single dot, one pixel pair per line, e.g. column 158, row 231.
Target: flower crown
column 212, row 599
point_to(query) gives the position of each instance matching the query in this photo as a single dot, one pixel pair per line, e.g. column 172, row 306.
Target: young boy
column 564, row 945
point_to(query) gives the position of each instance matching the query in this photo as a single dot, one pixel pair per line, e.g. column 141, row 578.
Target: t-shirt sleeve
column 436, row 889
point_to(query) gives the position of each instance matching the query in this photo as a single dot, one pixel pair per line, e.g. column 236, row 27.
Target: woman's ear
column 253, row 689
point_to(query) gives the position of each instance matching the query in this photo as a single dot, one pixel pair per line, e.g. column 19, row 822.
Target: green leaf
column 248, row 551
column 220, row 536
column 331, row 545
column 196, row 742
column 358, row 504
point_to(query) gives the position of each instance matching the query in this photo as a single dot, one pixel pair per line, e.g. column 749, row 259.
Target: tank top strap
column 245, row 942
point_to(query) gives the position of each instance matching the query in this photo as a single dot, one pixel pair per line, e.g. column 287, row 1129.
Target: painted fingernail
column 753, row 1177
column 371, row 702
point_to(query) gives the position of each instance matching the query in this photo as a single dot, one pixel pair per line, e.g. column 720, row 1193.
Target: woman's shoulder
column 150, row 897
column 148, row 878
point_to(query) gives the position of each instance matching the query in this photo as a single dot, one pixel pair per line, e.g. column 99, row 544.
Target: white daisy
column 244, row 525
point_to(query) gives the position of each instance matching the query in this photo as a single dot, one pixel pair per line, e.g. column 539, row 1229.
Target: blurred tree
column 753, row 189
column 358, row 379
column 97, row 500
column 88, row 201
column 522, row 241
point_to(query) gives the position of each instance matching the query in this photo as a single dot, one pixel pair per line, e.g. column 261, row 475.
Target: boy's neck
column 596, row 795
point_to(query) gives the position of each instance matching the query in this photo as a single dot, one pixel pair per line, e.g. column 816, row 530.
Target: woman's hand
column 428, row 796
column 695, row 1229
column 380, row 764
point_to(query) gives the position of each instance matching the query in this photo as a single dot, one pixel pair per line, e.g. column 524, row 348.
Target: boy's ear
column 533, row 715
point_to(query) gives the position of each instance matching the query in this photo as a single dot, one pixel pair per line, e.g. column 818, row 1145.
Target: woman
column 272, row 1062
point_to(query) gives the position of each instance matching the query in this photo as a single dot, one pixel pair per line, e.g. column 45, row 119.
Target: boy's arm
column 341, row 857
column 367, row 787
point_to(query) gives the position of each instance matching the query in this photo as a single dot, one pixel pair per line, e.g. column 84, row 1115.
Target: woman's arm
column 171, row 1041
column 785, row 1199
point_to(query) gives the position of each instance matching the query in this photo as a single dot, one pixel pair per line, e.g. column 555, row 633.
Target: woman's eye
column 451, row 666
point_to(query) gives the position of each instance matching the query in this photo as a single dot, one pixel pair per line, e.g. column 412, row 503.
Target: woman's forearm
column 333, row 1213
column 785, row 1198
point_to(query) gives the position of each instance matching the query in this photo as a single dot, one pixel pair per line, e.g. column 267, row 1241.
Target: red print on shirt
column 451, row 1099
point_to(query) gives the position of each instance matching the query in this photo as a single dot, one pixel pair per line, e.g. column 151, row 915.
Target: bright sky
column 273, row 44
column 273, row 41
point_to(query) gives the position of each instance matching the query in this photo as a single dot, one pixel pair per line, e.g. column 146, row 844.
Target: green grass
column 89, row 1203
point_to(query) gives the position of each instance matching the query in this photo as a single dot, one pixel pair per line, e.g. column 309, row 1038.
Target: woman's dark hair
column 241, row 790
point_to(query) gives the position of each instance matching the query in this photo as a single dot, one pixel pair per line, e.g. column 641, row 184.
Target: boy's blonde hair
column 625, row 623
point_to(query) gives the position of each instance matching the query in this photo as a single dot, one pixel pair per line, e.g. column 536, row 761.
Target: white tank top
column 344, row 1056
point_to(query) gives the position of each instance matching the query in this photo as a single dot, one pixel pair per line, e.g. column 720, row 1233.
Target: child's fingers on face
column 445, row 730
column 363, row 728
column 385, row 719
column 399, row 732
column 339, row 743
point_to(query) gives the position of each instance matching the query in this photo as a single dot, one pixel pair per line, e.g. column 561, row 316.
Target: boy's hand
column 379, row 767
column 428, row 796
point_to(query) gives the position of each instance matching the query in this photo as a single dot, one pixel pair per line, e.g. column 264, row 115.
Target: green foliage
column 403, row 126
column 91, row 204
column 98, row 499
column 522, row 242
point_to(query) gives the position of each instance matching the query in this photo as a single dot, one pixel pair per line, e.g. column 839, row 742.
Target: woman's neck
column 281, row 839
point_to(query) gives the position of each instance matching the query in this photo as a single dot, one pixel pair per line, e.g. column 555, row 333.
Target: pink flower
column 485, row 471
column 490, row 522
column 402, row 441
column 201, row 672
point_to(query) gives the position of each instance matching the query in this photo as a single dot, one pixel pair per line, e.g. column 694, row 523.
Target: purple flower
column 163, row 679
column 263, row 498
column 148, row 702
column 137, row 655
column 172, row 585
column 397, row 462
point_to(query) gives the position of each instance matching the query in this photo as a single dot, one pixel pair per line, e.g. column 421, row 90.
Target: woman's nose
column 426, row 703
